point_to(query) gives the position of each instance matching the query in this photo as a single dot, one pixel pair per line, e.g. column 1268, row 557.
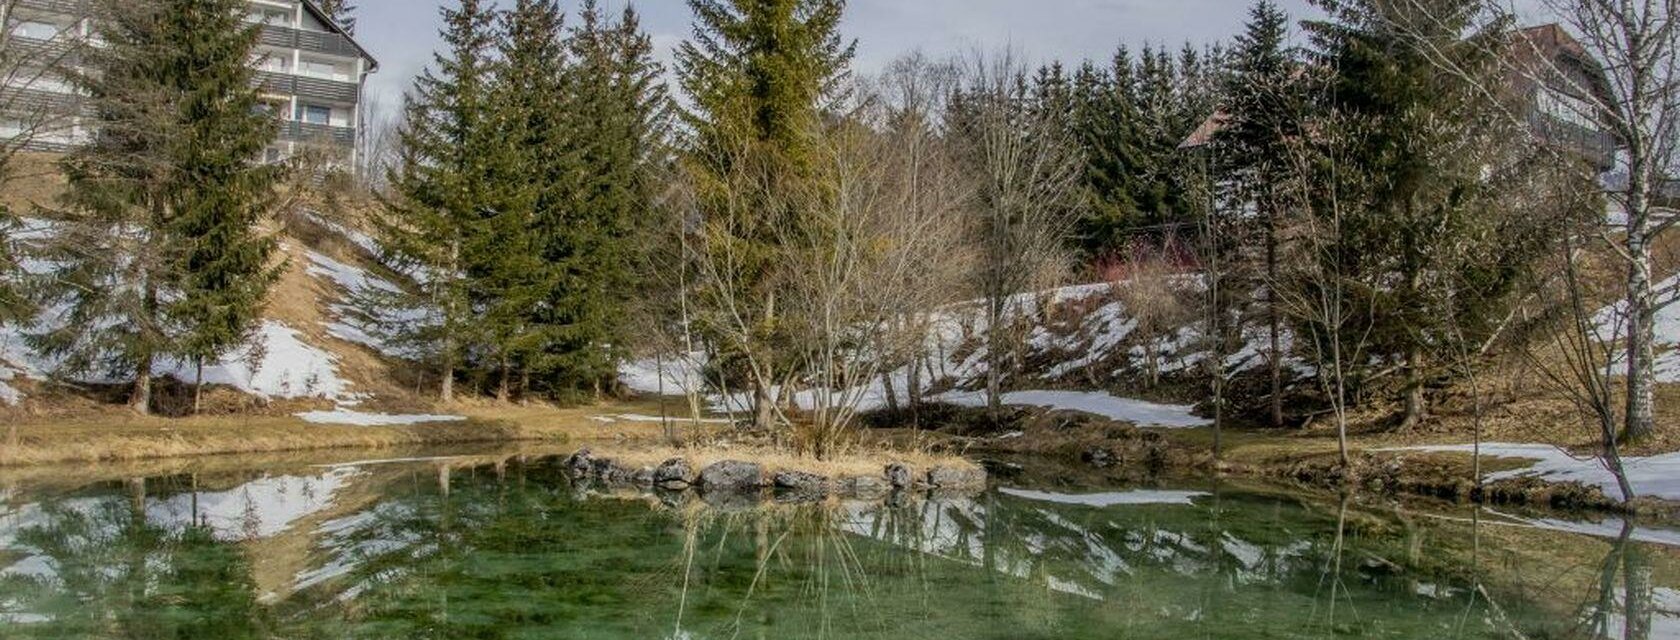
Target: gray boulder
column 731, row 475
column 863, row 486
column 674, row 474
column 800, row 482
column 956, row 478
column 581, row 462
column 898, row 476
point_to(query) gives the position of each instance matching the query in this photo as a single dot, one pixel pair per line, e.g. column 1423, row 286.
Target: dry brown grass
column 862, row 462
column 113, row 435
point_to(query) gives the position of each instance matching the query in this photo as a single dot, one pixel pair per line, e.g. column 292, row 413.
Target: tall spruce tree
column 1264, row 110
column 162, row 257
column 1435, row 244
column 758, row 74
column 534, row 90
column 1105, row 123
column 443, row 186
column 618, row 114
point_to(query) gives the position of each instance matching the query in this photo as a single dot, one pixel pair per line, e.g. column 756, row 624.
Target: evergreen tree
column 162, row 257
column 618, row 114
column 758, row 74
column 1433, row 242
column 534, row 90
column 442, row 185
column 14, row 305
column 1105, row 126
column 1263, row 113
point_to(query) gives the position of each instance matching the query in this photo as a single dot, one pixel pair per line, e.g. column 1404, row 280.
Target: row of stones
column 738, row 476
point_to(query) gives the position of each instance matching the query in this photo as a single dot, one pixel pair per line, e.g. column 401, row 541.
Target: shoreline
column 1084, row 439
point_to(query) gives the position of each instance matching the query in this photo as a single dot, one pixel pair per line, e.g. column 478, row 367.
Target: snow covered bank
column 342, row 416
column 9, row 395
column 1651, row 476
column 1611, row 323
column 1139, row 412
column 277, row 364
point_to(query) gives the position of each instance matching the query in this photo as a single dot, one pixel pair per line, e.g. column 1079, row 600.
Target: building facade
column 311, row 73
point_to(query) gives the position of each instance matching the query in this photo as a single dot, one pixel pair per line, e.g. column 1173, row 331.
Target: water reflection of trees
column 1624, row 606
column 96, row 567
column 443, row 562
column 519, row 550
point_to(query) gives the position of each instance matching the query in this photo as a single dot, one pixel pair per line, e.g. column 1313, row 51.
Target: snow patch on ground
column 1139, row 412
column 342, row 416
column 285, row 367
column 1100, row 500
column 1653, row 476
column 1611, row 323
column 9, row 395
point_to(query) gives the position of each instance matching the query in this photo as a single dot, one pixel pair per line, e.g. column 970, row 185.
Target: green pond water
column 458, row 549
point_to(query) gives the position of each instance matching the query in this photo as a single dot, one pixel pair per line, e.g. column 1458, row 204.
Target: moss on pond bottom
column 520, row 551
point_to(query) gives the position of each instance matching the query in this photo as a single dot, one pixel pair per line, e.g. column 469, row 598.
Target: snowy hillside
column 282, row 360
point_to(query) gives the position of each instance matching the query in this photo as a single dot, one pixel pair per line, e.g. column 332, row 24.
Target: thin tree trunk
column 887, row 387
column 764, row 408
column 994, row 361
column 504, row 387
column 446, row 384
column 1273, row 329
column 198, row 385
column 1641, row 343
column 140, row 398
column 1416, row 405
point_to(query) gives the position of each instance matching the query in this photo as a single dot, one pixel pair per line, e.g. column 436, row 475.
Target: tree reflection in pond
column 518, row 550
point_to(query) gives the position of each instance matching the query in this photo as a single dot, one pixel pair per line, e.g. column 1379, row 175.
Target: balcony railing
column 317, row 133
column 74, row 7
column 313, row 41
column 45, row 51
column 43, row 103
column 305, row 87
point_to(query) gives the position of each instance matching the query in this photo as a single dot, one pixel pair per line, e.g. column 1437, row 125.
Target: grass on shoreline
column 119, row 436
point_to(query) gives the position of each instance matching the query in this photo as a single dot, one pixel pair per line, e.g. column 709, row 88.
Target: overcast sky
column 403, row 33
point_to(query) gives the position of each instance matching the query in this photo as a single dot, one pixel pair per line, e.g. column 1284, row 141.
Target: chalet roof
column 335, row 27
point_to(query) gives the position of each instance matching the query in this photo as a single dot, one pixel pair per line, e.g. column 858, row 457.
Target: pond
column 462, row 548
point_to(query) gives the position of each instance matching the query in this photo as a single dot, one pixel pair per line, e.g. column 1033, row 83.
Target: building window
column 314, row 114
column 325, row 70
column 272, row 16
column 274, row 62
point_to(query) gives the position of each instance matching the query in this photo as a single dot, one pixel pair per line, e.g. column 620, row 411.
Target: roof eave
column 339, row 29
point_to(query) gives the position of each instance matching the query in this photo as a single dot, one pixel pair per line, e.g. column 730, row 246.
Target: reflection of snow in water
column 1139, row 497
column 257, row 509
column 260, row 508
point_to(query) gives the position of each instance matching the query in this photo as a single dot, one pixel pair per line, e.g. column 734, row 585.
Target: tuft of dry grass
column 864, row 461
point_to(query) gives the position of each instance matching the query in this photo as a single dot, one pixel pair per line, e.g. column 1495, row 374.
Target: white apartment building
column 311, row 72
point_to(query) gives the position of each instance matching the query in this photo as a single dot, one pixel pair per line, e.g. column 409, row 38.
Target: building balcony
column 316, row 89
column 42, row 103
column 296, row 131
column 45, row 51
column 311, row 41
column 1599, row 147
column 70, row 7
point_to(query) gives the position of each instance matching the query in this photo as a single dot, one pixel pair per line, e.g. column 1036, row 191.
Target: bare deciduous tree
column 1027, row 171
